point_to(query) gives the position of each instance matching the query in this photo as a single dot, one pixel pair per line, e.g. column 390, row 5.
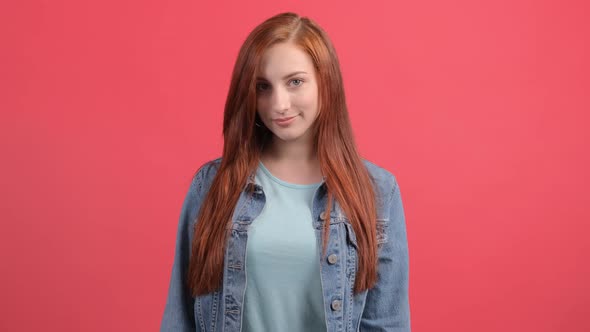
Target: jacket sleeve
column 178, row 313
column 387, row 305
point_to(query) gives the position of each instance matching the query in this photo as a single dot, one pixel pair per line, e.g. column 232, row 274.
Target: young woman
column 290, row 230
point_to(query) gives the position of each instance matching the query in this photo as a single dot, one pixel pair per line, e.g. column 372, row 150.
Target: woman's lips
column 283, row 122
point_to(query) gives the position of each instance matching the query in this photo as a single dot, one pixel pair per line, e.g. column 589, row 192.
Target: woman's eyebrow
column 286, row 76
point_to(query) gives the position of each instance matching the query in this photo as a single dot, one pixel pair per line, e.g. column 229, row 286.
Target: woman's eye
column 261, row 86
column 265, row 87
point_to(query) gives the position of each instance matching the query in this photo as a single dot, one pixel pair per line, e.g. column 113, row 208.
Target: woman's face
column 286, row 88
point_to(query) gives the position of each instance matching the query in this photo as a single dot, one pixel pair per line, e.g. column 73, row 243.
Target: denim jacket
column 385, row 307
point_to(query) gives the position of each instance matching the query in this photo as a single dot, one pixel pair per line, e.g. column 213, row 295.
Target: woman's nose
column 280, row 100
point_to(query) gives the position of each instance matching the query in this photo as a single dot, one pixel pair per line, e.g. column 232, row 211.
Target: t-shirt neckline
column 285, row 183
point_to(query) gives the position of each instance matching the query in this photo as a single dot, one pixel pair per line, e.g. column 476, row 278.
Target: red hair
column 347, row 179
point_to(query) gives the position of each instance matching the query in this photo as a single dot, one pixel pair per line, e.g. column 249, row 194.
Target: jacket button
column 332, row 258
column 336, row 305
column 323, row 215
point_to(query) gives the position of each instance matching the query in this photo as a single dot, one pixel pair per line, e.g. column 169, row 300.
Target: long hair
column 346, row 177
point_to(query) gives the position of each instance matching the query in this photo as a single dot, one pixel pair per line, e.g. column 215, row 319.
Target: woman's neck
column 289, row 152
column 292, row 161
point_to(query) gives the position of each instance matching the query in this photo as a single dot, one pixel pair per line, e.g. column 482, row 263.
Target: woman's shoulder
column 208, row 168
column 381, row 175
column 204, row 174
column 378, row 173
column 388, row 195
column 385, row 180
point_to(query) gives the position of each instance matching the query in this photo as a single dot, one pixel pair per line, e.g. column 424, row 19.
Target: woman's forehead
column 281, row 60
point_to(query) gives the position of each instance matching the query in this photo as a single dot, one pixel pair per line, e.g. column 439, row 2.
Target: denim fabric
column 385, row 307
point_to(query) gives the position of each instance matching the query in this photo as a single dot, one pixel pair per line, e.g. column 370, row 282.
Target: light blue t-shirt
column 283, row 287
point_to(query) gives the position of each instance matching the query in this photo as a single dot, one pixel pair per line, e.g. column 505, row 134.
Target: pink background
column 479, row 108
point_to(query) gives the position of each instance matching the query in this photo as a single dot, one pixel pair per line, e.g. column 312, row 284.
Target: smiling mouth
column 284, row 122
column 285, row 119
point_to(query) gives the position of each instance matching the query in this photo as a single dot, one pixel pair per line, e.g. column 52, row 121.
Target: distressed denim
column 385, row 307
